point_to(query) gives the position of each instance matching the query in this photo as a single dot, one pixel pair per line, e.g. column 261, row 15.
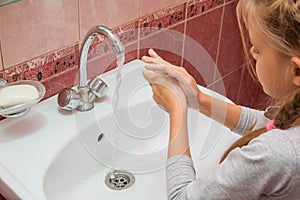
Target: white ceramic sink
column 54, row 154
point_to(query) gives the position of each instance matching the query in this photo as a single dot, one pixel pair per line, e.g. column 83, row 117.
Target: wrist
column 178, row 109
column 204, row 102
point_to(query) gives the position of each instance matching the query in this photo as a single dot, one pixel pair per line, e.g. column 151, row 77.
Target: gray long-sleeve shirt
column 267, row 168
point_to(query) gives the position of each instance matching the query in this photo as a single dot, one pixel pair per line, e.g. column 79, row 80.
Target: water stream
column 115, row 106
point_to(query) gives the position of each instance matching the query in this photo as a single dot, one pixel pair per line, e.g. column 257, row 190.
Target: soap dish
column 22, row 109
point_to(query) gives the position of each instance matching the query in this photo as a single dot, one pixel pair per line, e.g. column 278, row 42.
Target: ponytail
column 285, row 116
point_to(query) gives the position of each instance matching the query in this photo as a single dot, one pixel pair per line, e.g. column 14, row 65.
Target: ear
column 296, row 70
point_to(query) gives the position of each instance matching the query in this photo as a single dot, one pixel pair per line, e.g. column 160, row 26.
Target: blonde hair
column 279, row 22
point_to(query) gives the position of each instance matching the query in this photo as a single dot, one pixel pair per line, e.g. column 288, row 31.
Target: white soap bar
column 17, row 94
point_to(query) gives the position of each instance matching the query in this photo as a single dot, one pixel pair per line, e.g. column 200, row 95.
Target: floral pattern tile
column 127, row 33
column 162, row 19
column 63, row 80
column 2, row 75
column 45, row 66
column 196, row 7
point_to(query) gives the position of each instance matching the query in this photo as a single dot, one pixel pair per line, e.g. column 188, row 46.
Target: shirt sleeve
column 247, row 173
column 249, row 118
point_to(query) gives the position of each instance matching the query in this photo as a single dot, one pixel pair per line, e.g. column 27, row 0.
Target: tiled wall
column 40, row 40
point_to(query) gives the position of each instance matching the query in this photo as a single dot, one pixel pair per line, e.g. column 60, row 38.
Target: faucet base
column 86, row 102
column 85, row 107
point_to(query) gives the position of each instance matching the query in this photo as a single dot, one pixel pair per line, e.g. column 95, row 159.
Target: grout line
column 219, row 42
column 138, row 39
column 139, row 32
column 2, row 58
column 226, row 75
column 79, row 22
column 184, row 33
column 220, row 35
column 242, row 75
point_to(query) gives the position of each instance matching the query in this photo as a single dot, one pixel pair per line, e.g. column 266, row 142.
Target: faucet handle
column 68, row 99
column 98, row 87
column 3, row 82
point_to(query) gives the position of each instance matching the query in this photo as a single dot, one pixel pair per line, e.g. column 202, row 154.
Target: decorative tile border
column 197, row 7
column 162, row 19
column 45, row 66
column 127, row 33
column 2, row 75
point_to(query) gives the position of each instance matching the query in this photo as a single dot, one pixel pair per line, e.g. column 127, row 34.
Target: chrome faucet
column 83, row 100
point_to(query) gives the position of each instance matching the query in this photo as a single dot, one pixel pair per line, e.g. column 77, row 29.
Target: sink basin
column 125, row 131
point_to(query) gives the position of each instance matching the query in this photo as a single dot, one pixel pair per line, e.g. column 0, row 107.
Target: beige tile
column 33, row 28
column 106, row 12
column 147, row 7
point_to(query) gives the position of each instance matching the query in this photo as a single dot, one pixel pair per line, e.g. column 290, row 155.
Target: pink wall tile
column 106, row 12
column 196, row 7
column 63, row 80
column 168, row 43
column 205, row 29
column 251, row 92
column 162, row 19
column 230, row 50
column 229, row 85
column 201, row 44
column 33, row 28
column 1, row 197
column 147, row 7
column 164, row 31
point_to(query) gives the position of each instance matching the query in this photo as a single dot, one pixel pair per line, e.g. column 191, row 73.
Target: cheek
column 260, row 72
column 275, row 81
column 266, row 78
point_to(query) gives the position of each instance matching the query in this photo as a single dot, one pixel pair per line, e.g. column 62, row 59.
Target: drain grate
column 119, row 180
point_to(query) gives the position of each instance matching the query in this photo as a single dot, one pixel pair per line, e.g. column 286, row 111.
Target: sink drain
column 119, row 180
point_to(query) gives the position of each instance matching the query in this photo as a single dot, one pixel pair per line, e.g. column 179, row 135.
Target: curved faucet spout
column 83, row 99
column 118, row 48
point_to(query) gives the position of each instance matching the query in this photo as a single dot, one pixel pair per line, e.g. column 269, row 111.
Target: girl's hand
column 167, row 93
column 187, row 83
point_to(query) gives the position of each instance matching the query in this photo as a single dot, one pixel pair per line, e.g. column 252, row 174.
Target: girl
column 264, row 163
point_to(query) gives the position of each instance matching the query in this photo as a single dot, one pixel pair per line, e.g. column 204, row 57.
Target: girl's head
column 274, row 31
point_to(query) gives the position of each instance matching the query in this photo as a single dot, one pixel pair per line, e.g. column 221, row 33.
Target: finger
column 153, row 54
column 151, row 78
column 178, row 73
column 156, row 67
column 148, row 59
